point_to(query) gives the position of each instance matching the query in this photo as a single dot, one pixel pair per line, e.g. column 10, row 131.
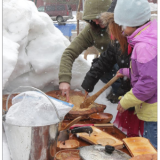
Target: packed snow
column 32, row 108
column 32, row 49
column 153, row 6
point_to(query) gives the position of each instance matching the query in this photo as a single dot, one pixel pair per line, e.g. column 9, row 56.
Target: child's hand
column 119, row 74
column 120, row 108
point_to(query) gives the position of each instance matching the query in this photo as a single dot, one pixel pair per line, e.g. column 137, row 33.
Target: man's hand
column 120, row 108
column 65, row 88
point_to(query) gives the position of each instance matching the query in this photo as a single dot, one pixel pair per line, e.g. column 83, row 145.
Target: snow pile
column 154, row 8
column 32, row 46
column 8, row 58
column 34, row 109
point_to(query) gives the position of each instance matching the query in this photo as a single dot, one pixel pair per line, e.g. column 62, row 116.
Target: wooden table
column 114, row 131
column 111, row 130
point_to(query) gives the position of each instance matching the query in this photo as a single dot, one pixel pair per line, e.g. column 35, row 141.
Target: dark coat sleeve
column 99, row 67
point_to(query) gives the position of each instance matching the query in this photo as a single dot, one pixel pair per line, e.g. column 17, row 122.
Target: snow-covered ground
column 32, row 49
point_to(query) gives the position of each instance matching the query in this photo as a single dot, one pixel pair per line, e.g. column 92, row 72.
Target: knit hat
column 93, row 8
column 132, row 13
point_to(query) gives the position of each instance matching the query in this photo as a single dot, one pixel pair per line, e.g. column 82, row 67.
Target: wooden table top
column 114, row 131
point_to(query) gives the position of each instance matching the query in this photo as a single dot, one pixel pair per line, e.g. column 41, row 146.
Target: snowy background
column 32, row 49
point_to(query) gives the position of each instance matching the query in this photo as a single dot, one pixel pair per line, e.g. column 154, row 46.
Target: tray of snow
column 32, row 108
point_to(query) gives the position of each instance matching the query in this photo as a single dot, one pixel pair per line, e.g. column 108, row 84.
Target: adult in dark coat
column 101, row 69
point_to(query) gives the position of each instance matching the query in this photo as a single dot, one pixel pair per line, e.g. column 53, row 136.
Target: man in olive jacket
column 98, row 38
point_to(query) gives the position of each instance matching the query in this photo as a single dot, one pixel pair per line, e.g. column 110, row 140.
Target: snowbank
column 32, row 46
column 32, row 49
column 154, row 8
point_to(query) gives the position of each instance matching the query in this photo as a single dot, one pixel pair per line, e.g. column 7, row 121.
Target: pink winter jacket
column 143, row 72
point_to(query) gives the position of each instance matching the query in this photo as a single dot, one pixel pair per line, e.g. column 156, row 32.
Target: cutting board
column 145, row 157
column 139, row 146
column 100, row 137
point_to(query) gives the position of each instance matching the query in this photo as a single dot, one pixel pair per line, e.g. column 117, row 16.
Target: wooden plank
column 100, row 137
column 145, row 157
column 112, row 130
column 139, row 146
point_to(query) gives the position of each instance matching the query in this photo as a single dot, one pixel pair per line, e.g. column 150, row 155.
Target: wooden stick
column 99, row 125
column 72, row 122
column 104, row 125
column 86, row 94
column 91, row 99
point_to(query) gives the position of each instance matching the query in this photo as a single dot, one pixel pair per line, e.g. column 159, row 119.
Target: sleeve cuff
column 64, row 78
column 129, row 100
column 125, row 72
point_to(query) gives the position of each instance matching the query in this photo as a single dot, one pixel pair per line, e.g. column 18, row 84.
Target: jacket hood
column 93, row 8
column 146, row 34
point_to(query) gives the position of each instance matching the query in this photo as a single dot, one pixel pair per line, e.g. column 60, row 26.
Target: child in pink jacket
column 134, row 17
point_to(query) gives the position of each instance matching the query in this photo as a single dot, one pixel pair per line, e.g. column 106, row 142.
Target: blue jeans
column 109, row 75
column 150, row 132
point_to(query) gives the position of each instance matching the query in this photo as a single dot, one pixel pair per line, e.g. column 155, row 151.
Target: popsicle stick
column 104, row 125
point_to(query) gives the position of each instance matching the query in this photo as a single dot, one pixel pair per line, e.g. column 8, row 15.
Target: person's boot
column 113, row 98
column 122, row 90
column 110, row 95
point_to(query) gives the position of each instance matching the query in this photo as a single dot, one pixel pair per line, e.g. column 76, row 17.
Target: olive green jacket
column 87, row 38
